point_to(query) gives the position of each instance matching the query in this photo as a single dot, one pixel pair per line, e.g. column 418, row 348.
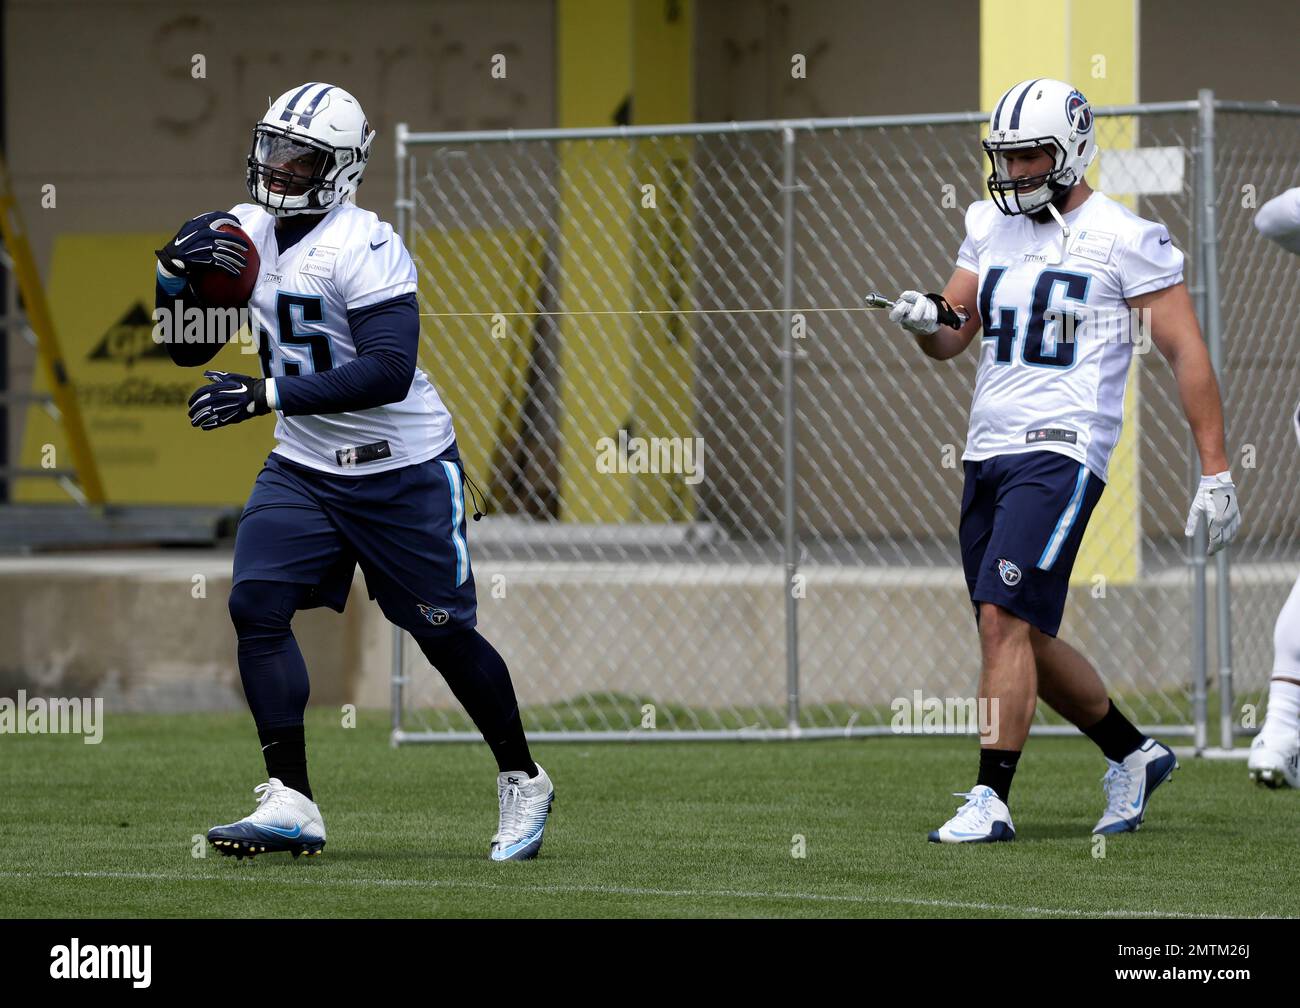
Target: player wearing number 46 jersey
column 365, row 468
column 1049, row 270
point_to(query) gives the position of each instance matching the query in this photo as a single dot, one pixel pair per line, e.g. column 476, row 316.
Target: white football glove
column 1216, row 498
column 916, row 313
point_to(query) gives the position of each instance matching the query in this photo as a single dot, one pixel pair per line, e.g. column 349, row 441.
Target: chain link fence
column 723, row 497
column 1257, row 156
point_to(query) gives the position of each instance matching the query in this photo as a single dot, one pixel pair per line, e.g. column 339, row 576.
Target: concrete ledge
column 150, row 632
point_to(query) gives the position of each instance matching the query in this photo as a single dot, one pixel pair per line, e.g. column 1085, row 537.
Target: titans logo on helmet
column 1073, row 104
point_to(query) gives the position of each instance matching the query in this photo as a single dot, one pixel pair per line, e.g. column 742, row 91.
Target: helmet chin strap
column 1065, row 231
column 1051, row 208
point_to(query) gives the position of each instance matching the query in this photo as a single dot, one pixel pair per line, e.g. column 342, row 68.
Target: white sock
column 1282, row 720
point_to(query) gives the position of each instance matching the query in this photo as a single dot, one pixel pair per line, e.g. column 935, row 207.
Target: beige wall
column 875, row 57
column 861, row 58
column 100, row 101
column 1245, row 50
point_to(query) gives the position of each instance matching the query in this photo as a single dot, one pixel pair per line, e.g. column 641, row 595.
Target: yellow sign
column 1094, row 47
column 479, row 360
column 133, row 398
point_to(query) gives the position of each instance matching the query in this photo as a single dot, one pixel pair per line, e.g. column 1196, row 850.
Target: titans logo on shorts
column 405, row 527
column 1022, row 520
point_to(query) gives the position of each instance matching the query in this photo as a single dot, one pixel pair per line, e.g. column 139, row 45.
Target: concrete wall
column 129, row 628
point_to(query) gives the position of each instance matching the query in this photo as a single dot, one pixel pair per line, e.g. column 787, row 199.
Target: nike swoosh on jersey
column 380, row 245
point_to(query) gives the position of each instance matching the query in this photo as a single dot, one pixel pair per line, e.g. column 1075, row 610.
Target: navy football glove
column 231, row 398
column 199, row 243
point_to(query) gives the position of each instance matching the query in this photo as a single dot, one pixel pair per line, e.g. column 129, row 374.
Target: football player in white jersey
column 1050, row 270
column 365, row 468
column 1275, row 753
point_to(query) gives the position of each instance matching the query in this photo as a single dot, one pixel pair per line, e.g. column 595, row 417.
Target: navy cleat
column 525, row 803
column 284, row 820
column 1130, row 784
column 984, row 818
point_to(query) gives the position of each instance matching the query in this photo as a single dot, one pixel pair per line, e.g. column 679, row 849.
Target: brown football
column 218, row 289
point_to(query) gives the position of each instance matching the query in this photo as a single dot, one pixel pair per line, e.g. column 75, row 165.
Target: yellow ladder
column 14, row 236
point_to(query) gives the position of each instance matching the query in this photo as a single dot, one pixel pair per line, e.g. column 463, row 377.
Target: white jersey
column 1279, row 219
column 351, row 259
column 1038, row 386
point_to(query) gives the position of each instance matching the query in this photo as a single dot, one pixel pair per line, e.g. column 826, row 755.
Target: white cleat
column 984, row 818
column 1272, row 764
column 284, row 820
column 525, row 804
column 1129, row 785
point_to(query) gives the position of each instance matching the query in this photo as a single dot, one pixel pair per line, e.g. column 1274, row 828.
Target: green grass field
column 653, row 830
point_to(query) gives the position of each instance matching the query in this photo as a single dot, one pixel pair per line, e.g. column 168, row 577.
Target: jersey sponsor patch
column 1051, row 434
column 360, row 454
column 1095, row 245
column 319, row 260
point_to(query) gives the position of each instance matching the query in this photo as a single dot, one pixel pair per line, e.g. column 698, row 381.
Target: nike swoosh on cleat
column 293, row 834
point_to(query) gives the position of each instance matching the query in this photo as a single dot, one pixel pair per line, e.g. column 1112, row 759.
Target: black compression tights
column 478, row 677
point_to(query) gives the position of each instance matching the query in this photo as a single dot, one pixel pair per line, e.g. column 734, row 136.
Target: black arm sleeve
column 386, row 336
column 182, row 353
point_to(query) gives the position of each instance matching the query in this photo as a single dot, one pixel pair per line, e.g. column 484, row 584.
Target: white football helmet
column 1039, row 113
column 309, row 151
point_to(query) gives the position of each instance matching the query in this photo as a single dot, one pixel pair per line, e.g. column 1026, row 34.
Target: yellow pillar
column 664, row 369
column 1094, row 46
column 616, row 253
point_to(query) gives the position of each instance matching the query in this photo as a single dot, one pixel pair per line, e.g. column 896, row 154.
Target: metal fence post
column 1206, row 266
column 1209, row 264
column 1214, row 340
column 401, row 204
column 790, row 544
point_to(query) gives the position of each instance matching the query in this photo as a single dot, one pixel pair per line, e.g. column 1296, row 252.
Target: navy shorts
column 405, row 527
column 1022, row 520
